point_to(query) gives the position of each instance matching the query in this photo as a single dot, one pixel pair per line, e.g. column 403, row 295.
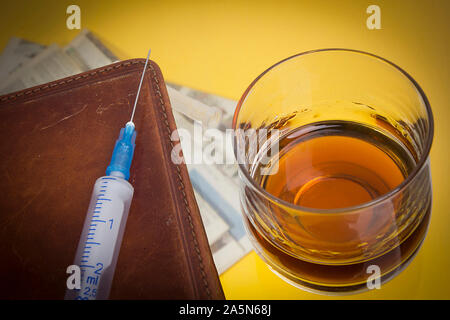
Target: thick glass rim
column 420, row 165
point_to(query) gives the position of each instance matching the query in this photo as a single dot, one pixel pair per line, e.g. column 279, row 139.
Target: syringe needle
column 124, row 148
column 140, row 84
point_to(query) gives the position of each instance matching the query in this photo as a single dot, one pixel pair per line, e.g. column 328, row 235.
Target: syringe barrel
column 101, row 238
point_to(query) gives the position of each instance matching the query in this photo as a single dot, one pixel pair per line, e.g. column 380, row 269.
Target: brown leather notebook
column 55, row 141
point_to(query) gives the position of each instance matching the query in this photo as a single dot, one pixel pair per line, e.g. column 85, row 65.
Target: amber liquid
column 336, row 165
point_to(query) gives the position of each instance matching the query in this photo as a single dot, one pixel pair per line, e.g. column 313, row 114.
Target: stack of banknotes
column 24, row 64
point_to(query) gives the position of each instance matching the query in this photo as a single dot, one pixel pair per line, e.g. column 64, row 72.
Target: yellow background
column 221, row 46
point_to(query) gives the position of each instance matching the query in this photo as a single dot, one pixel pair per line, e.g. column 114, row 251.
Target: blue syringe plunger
column 123, row 153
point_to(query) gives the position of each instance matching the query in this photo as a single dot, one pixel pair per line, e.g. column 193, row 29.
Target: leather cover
column 55, row 141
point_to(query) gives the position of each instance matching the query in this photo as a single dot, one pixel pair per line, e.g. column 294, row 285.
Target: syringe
column 105, row 221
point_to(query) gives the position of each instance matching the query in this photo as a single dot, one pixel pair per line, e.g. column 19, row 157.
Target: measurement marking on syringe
column 108, row 178
column 98, row 243
column 104, row 199
column 98, row 221
column 86, row 266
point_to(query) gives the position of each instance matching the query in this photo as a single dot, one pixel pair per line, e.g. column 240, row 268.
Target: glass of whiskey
column 333, row 151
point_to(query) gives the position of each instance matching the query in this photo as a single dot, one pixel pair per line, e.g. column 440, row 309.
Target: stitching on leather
column 180, row 180
column 67, row 80
column 163, row 108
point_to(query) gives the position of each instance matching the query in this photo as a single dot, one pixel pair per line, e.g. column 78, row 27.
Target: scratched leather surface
column 55, row 141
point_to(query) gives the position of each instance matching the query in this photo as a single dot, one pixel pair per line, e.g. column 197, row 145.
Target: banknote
column 17, row 52
column 89, row 52
column 50, row 64
column 35, row 64
column 216, row 183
